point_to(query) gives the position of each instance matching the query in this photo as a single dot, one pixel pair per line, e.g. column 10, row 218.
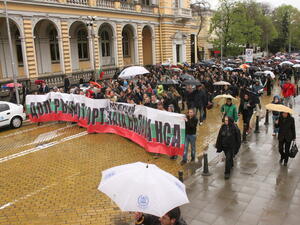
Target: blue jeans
column 275, row 130
column 189, row 139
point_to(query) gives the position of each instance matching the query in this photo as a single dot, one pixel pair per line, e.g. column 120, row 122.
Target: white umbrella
column 133, row 71
column 270, row 73
column 296, row 65
column 222, row 83
column 139, row 187
column 277, row 58
column 287, row 63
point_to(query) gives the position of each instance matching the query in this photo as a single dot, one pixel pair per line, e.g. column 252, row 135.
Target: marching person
column 288, row 92
column 246, row 109
column 229, row 109
column 276, row 100
column 146, row 219
column 228, row 141
column 173, row 217
column 287, row 134
column 190, row 138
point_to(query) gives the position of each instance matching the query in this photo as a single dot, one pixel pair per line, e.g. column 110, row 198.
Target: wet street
column 50, row 173
column 259, row 192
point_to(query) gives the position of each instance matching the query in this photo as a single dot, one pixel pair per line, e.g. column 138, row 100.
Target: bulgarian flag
column 101, row 73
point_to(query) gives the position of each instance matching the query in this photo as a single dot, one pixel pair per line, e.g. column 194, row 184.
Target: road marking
column 35, row 192
column 41, row 147
column 27, row 130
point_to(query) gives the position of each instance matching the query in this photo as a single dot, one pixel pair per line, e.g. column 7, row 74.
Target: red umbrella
column 95, row 84
column 12, row 85
column 38, row 82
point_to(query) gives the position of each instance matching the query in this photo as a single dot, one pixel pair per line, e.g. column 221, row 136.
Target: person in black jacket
column 200, row 101
column 190, row 137
column 146, row 219
column 173, row 217
column 228, row 141
column 287, row 134
column 246, row 110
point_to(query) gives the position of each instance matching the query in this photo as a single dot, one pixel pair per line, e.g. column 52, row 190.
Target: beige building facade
column 61, row 37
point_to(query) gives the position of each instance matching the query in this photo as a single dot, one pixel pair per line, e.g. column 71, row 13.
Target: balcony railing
column 147, row 9
column 78, row 2
column 181, row 12
column 127, row 6
column 105, row 3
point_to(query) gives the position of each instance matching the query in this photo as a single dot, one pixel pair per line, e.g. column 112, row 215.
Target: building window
column 105, row 44
column 177, row 4
column 82, row 45
column 126, row 44
column 54, row 48
column 19, row 49
column 146, row 2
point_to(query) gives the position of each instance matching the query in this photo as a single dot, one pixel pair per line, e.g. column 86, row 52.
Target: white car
column 11, row 114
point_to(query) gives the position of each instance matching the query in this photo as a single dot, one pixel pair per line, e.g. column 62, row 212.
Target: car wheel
column 16, row 122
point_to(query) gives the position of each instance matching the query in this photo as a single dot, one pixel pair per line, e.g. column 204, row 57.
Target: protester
column 246, row 110
column 275, row 115
column 146, row 219
column 287, row 134
column 288, row 92
column 229, row 109
column 190, row 137
column 228, row 141
column 44, row 89
column 172, row 217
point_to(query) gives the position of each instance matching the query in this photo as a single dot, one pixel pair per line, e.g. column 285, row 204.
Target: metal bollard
column 180, row 175
column 267, row 118
column 244, row 132
column 257, row 125
column 205, row 166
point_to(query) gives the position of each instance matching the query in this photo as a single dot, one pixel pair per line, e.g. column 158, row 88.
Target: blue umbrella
column 228, row 69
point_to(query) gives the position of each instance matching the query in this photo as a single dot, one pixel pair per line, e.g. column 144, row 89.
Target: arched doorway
column 47, row 47
column 79, row 43
column 106, row 45
column 129, row 45
column 6, row 70
column 147, row 46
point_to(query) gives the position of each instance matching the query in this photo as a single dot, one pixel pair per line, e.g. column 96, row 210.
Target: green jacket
column 231, row 111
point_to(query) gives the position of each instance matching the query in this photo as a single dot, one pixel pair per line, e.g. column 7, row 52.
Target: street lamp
column 90, row 24
column 290, row 36
column 14, row 69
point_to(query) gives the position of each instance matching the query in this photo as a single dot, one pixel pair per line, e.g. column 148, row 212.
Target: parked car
column 11, row 114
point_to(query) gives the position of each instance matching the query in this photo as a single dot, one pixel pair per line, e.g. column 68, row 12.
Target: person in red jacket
column 288, row 92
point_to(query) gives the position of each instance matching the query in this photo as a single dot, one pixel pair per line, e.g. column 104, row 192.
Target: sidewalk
column 259, row 192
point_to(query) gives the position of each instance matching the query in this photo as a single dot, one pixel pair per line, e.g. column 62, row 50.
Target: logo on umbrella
column 109, row 175
column 143, row 201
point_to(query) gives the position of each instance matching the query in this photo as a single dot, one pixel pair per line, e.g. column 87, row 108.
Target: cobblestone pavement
column 50, row 173
column 259, row 192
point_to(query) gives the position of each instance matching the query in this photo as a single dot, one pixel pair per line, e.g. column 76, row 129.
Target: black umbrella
column 259, row 74
column 170, row 82
column 267, row 68
column 192, row 82
column 237, row 70
column 254, row 68
column 187, row 77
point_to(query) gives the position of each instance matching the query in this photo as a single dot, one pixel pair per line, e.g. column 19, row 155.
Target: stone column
column 30, row 49
column 96, row 48
column 140, row 59
column 92, row 3
column 66, row 47
column 119, row 50
column 24, row 52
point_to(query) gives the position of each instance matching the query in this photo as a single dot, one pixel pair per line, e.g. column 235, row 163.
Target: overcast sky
column 273, row 3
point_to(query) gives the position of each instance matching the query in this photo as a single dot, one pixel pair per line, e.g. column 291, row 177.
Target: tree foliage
column 239, row 24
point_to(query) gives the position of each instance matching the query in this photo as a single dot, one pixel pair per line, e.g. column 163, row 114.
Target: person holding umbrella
column 287, row 134
column 173, row 217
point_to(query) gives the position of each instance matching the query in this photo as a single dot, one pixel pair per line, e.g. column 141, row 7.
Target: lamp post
column 14, row 69
column 90, row 25
column 290, row 36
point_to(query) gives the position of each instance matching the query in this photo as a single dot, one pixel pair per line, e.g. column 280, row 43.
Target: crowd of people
column 191, row 89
